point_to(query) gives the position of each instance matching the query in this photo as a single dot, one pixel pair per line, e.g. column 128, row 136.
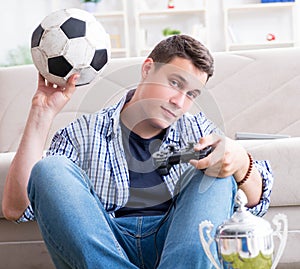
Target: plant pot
column 89, row 6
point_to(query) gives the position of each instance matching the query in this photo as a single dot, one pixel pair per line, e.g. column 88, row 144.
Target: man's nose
column 178, row 99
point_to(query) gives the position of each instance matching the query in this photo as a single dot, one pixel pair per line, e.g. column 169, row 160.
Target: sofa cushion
column 17, row 87
column 5, row 161
column 258, row 92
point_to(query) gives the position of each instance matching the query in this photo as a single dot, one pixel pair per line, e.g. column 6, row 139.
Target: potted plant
column 90, row 5
column 168, row 31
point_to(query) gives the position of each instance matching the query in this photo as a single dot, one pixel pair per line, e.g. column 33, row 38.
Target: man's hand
column 51, row 98
column 229, row 158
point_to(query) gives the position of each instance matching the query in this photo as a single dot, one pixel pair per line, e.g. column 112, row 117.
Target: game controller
column 164, row 159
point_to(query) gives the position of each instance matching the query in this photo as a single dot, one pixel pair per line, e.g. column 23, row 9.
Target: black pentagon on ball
column 36, row 36
column 74, row 28
column 99, row 59
column 59, row 66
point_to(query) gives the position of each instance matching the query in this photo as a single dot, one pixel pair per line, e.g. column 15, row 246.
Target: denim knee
column 51, row 172
column 48, row 166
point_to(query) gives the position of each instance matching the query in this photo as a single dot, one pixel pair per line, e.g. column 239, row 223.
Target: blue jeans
column 79, row 233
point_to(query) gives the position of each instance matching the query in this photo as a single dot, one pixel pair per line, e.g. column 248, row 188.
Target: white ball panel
column 108, row 47
column 86, row 75
column 40, row 60
column 96, row 34
column 79, row 52
column 56, row 80
column 55, row 19
column 50, row 47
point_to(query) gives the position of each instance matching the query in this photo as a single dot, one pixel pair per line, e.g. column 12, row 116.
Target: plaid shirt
column 94, row 143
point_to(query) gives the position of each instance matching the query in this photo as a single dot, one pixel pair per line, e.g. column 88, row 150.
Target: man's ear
column 146, row 67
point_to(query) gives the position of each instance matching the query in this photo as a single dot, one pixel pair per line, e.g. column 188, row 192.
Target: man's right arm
column 46, row 103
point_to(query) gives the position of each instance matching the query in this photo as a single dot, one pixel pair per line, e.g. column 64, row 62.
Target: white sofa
column 251, row 91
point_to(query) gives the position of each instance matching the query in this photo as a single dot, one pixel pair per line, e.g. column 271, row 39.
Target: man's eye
column 174, row 83
column 193, row 94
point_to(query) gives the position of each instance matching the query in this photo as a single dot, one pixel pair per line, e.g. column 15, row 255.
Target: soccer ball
column 70, row 41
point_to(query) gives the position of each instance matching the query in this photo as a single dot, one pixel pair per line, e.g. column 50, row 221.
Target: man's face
column 169, row 91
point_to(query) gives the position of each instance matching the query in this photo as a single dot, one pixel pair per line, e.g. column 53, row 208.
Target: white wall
column 18, row 19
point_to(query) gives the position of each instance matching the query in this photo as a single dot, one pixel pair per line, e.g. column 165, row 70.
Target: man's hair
column 186, row 47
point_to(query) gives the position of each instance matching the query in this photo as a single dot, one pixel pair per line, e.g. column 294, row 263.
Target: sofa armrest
column 255, row 136
column 284, row 156
column 5, row 161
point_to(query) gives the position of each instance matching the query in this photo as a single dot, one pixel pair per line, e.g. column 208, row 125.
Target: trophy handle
column 206, row 244
column 280, row 221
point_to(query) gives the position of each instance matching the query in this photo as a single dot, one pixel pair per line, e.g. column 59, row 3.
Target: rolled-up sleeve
column 28, row 215
column 267, row 181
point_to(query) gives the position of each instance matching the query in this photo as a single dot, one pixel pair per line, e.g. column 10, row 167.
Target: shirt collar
column 116, row 112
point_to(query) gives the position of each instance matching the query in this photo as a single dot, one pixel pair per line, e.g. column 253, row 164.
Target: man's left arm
column 256, row 180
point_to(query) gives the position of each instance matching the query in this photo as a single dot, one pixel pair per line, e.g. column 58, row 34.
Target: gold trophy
column 245, row 241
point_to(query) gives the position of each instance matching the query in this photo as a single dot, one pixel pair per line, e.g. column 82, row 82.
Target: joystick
column 164, row 159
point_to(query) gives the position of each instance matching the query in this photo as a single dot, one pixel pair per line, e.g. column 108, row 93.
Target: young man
column 97, row 197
